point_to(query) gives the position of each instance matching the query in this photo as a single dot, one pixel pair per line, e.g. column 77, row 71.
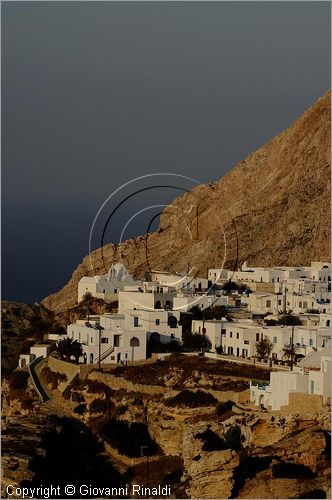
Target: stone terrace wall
column 121, row 383
column 303, row 403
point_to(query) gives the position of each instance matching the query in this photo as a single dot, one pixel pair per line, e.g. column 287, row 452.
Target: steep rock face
column 273, row 208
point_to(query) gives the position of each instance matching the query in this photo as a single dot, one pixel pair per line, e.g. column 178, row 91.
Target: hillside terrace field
column 177, row 369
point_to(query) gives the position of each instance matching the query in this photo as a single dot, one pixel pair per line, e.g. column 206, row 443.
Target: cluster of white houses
column 150, row 309
column 312, row 375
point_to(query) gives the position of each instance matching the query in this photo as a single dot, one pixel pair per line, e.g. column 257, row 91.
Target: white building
column 36, row 351
column 147, row 299
column 183, row 302
column 240, row 338
column 214, row 330
column 217, row 275
column 180, row 281
column 311, row 376
column 162, row 325
column 107, row 286
column 276, row 393
column 107, row 340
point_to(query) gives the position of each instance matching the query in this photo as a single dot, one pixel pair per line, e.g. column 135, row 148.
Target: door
column 91, row 358
column 238, row 351
column 118, row 357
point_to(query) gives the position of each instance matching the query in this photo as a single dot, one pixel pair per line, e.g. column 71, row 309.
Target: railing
column 105, row 354
column 36, row 382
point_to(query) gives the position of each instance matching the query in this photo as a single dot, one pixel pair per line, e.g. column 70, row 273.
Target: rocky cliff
column 273, row 208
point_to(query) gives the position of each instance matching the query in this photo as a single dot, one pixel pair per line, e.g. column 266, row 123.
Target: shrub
column 53, row 378
column 24, row 397
column 223, row 408
column 289, row 320
column 192, row 399
column 19, row 380
column 99, row 405
column 127, row 438
column 95, row 387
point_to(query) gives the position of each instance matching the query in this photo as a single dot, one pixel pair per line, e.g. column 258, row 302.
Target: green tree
column 67, row 348
column 229, row 286
column 264, row 348
column 289, row 320
column 290, row 351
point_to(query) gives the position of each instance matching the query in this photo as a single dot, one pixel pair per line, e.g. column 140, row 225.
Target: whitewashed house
column 184, row 302
column 214, row 330
column 148, row 299
column 36, row 351
column 180, row 281
column 241, row 337
column 106, row 340
column 217, row 275
column 106, row 286
column 311, row 376
column 162, row 325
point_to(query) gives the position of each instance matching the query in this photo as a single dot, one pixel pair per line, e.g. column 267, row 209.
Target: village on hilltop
column 276, row 317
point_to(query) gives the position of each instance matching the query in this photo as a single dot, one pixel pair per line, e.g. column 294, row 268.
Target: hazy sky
column 95, row 93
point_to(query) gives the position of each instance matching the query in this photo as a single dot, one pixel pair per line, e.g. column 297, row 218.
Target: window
column 300, row 305
column 136, row 321
column 311, row 341
column 278, row 280
column 274, row 340
column 257, row 337
column 115, row 290
column 199, row 329
column 312, row 386
column 279, row 302
column 246, row 342
column 231, row 334
column 268, row 303
column 104, row 340
column 91, row 340
column 157, row 321
column 237, row 335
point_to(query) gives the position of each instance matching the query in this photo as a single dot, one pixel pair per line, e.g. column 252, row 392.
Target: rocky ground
column 209, row 445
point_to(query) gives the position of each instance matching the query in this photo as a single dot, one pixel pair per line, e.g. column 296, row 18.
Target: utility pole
column 99, row 348
column 203, row 332
column 145, row 452
column 292, row 348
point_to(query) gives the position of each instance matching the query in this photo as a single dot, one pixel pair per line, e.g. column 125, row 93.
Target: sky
column 95, row 94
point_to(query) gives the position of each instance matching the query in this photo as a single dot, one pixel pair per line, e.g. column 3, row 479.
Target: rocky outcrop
column 273, row 208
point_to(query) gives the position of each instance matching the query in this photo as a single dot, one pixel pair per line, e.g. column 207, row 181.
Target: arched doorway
column 328, row 322
column 154, row 342
column 91, row 358
column 118, row 357
column 261, row 401
column 134, row 342
column 157, row 305
column 172, row 321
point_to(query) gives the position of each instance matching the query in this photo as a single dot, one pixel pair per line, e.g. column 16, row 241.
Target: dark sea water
column 40, row 250
column 42, row 245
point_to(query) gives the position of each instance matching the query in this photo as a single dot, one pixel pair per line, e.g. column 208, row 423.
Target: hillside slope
column 273, row 208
